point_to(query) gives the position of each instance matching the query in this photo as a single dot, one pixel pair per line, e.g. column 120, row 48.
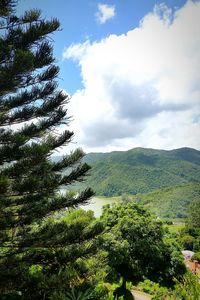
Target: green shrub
column 150, row 287
column 196, row 244
column 188, row 288
column 187, row 242
column 196, row 256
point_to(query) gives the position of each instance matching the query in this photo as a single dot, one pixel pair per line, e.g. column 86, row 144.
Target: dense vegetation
column 50, row 250
column 142, row 170
column 172, row 202
column 190, row 235
column 167, row 203
column 187, row 287
column 31, row 108
column 138, row 245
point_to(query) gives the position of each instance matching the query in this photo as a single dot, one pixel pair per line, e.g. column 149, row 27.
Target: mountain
column 141, row 170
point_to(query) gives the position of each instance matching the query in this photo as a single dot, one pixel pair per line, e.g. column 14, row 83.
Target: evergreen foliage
column 31, row 108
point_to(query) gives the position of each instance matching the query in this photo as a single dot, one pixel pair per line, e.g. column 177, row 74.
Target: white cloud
column 141, row 88
column 105, row 13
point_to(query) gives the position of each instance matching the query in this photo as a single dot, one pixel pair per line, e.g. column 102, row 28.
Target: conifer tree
column 31, row 108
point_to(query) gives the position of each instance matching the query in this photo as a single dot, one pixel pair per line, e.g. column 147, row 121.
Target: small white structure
column 187, row 254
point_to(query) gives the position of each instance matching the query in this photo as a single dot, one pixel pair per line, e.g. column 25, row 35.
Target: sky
column 131, row 68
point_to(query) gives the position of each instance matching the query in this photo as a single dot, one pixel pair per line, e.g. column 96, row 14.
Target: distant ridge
column 142, row 170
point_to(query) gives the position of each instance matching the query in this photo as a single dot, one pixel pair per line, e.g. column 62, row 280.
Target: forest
column 142, row 170
column 49, row 247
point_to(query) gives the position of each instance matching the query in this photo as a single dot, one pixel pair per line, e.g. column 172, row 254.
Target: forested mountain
column 142, row 170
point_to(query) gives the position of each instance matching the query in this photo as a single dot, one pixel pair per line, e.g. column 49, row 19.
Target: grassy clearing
column 176, row 228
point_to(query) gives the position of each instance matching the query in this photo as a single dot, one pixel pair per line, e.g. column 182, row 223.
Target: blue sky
column 78, row 22
column 131, row 68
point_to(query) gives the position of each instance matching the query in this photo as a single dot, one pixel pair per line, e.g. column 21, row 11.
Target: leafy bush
column 151, row 287
column 75, row 294
column 196, row 256
column 188, row 288
column 187, row 242
column 137, row 246
column 196, row 245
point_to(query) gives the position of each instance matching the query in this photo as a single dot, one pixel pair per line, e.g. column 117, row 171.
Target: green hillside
column 170, row 202
column 142, row 170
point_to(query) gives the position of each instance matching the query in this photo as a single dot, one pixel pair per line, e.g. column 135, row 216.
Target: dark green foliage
column 123, row 292
column 194, row 213
column 196, row 244
column 137, row 247
column 36, row 254
column 79, row 228
column 142, row 170
column 190, row 238
column 6, row 7
column 190, row 235
column 188, row 242
column 78, row 295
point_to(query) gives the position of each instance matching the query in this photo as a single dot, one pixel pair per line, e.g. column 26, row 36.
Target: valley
column 165, row 182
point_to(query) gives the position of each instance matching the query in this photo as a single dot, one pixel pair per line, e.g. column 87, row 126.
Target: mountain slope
column 142, row 170
column 171, row 202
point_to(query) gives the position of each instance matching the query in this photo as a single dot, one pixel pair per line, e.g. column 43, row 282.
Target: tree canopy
column 32, row 107
column 48, row 250
column 137, row 247
column 194, row 213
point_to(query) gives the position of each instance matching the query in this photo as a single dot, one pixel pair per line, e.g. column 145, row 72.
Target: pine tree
column 31, row 108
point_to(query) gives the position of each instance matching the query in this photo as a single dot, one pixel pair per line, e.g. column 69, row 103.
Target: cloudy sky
column 132, row 70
